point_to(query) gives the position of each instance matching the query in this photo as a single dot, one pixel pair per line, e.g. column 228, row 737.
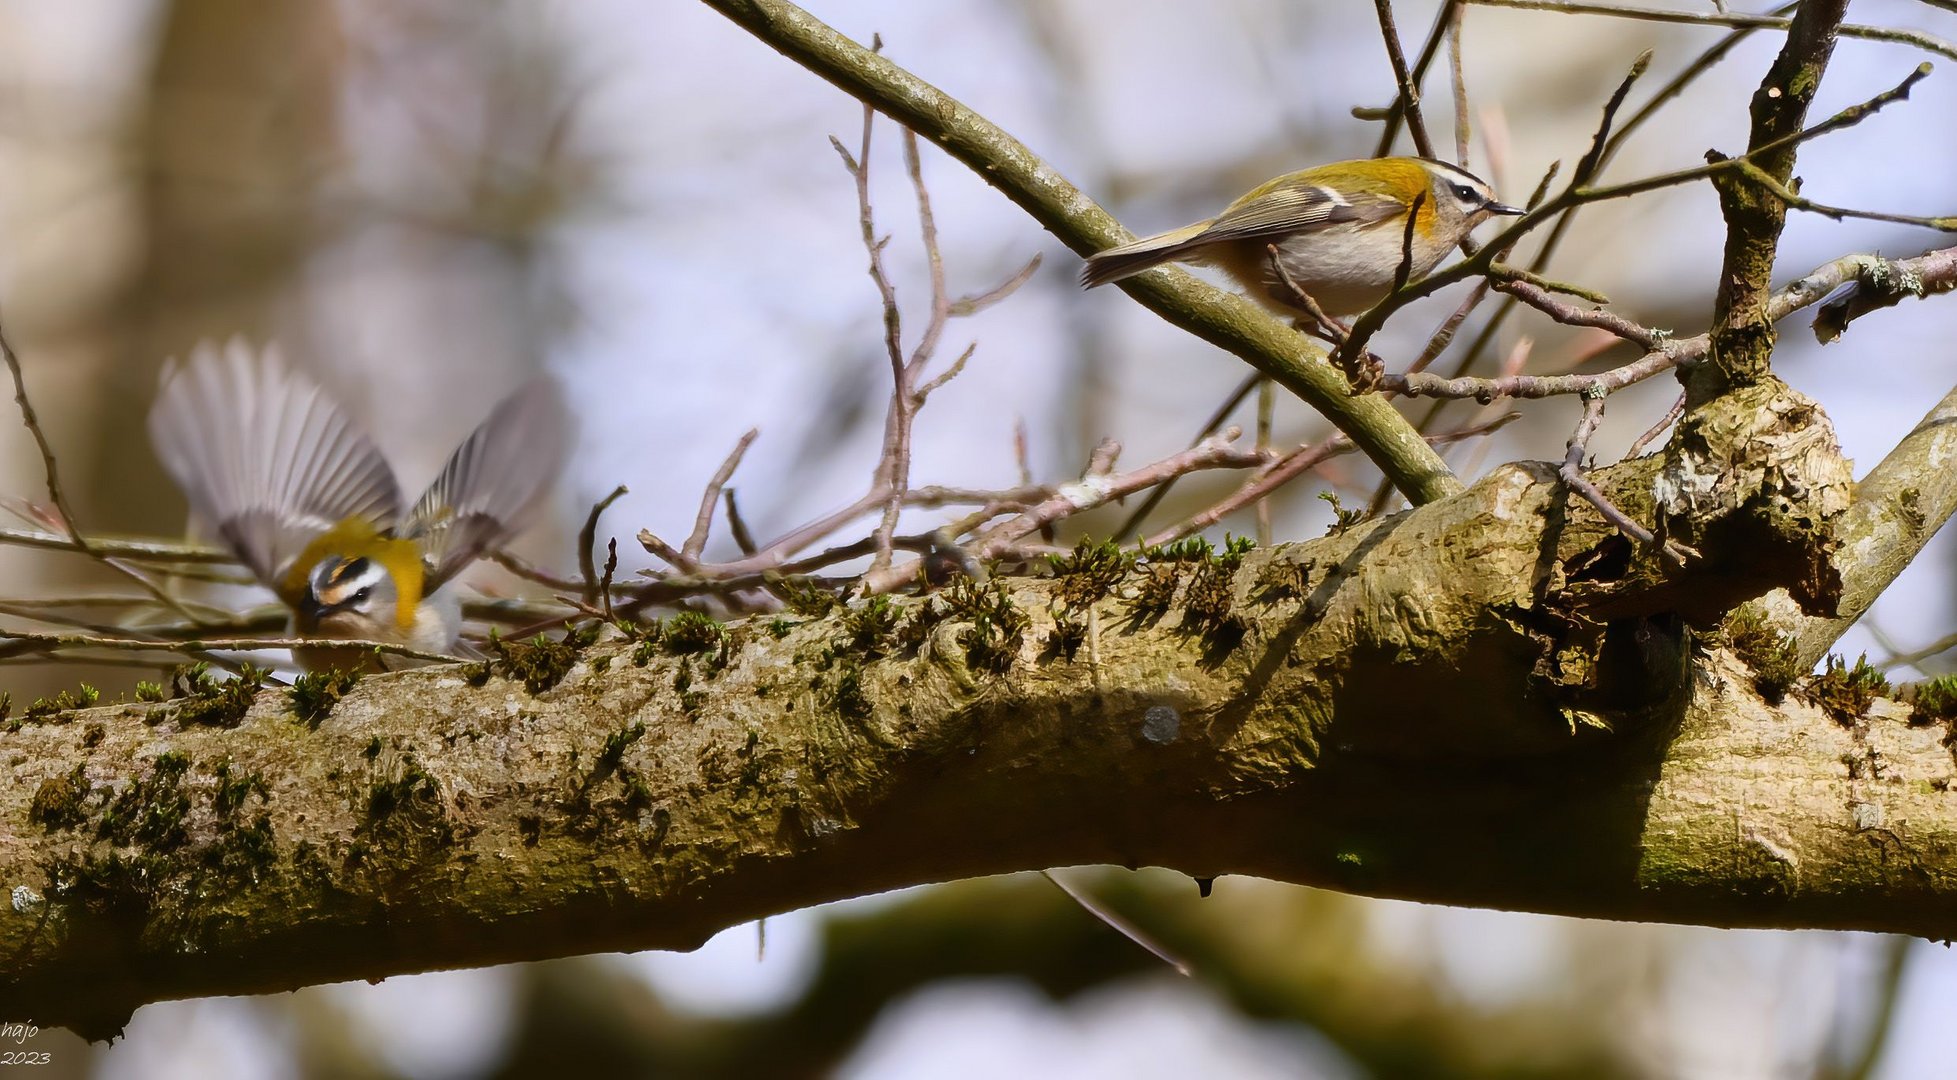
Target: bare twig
column 1671, row 417
column 1011, row 167
column 1288, row 468
column 1210, row 427
column 1946, row 223
column 1444, row 334
column 931, row 385
column 652, row 543
column 1571, row 472
column 1396, row 113
column 1456, row 14
column 588, row 536
column 1408, row 103
column 49, row 470
column 1022, row 455
column 151, row 551
column 1266, row 405
column 1117, row 923
column 1326, row 326
column 972, row 305
column 696, row 541
column 530, row 571
column 69, row 524
column 37, row 642
column 737, row 526
column 605, row 579
column 1098, row 486
column 1405, row 270
column 1913, row 38
column 1935, row 648
column 1538, row 297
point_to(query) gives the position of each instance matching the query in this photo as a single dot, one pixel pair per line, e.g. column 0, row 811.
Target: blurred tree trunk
column 239, row 125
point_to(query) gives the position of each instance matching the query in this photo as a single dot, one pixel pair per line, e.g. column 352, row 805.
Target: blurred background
column 426, row 200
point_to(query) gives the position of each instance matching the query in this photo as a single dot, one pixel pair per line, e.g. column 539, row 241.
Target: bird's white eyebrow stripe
column 1454, row 172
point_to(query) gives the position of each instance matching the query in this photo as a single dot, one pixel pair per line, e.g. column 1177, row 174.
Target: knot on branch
column 1755, row 481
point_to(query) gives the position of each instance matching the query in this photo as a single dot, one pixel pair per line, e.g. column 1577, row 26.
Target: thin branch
column 972, row 305
column 1456, row 14
column 1288, row 468
column 1909, row 659
column 156, row 551
column 1098, row 487
column 1571, row 473
column 529, row 571
column 216, row 644
column 1946, row 223
column 1210, row 427
column 69, row 523
column 1396, row 113
column 49, row 470
column 927, row 228
column 696, row 542
column 1116, row 922
column 1914, row 38
column 1671, row 417
column 1408, row 102
column 1266, row 404
column 1444, row 334
column 1405, row 269
column 1538, row 297
column 737, row 526
column 588, row 536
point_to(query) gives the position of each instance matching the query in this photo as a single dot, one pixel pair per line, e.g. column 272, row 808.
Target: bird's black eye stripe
column 1467, row 194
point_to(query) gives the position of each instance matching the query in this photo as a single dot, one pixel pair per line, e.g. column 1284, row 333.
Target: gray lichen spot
column 1765, row 866
column 1161, row 724
column 819, row 826
column 1867, row 816
column 26, row 900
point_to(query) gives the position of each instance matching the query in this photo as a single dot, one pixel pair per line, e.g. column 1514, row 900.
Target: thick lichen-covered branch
column 1488, row 700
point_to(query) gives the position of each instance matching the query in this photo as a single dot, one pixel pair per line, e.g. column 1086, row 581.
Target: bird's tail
column 1130, row 259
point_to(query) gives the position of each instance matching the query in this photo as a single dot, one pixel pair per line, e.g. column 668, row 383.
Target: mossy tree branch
column 1479, row 702
column 1222, row 319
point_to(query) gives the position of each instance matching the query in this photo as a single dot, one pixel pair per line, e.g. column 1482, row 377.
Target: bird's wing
column 264, row 455
column 1285, row 209
column 493, row 480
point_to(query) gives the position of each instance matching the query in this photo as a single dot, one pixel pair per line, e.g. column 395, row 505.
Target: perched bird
column 308, row 503
column 1340, row 231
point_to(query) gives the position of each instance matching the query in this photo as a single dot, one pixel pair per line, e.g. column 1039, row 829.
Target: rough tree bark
column 1492, row 699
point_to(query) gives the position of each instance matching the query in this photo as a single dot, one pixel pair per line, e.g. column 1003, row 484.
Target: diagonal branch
column 1229, row 322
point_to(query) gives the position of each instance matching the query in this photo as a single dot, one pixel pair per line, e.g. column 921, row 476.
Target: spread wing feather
column 264, row 455
column 493, row 480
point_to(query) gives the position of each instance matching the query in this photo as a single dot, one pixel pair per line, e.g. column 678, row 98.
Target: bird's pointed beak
column 308, row 611
column 1505, row 209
